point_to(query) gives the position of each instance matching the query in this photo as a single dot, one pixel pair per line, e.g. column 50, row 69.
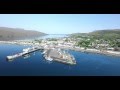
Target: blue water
column 49, row 36
column 54, row 36
column 35, row 65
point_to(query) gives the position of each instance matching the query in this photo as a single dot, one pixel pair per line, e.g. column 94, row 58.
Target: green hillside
column 98, row 34
column 106, row 34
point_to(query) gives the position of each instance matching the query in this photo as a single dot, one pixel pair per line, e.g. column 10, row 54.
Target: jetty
column 25, row 51
column 51, row 54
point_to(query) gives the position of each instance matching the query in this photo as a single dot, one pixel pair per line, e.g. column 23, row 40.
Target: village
column 69, row 43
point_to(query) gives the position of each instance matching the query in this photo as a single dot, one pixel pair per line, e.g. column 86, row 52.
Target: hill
column 109, row 31
column 78, row 34
column 17, row 33
column 106, row 34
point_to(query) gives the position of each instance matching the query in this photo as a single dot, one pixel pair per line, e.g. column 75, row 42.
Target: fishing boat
column 48, row 58
column 26, row 56
column 44, row 52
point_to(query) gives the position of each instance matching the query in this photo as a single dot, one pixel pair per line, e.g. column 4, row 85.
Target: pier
column 25, row 51
column 51, row 54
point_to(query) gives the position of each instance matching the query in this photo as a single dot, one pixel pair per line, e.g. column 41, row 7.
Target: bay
column 88, row 64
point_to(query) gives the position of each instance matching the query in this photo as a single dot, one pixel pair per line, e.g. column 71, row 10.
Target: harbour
column 59, row 45
column 36, row 65
column 54, row 54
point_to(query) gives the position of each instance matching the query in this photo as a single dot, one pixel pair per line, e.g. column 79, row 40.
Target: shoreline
column 108, row 52
column 103, row 52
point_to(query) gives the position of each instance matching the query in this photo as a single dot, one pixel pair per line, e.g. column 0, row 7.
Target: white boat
column 26, row 50
column 48, row 58
column 44, row 52
column 26, row 56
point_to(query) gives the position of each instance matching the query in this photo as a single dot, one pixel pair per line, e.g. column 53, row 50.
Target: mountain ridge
column 7, row 33
column 106, row 33
column 117, row 31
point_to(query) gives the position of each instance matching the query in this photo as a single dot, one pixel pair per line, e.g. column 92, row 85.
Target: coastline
column 103, row 52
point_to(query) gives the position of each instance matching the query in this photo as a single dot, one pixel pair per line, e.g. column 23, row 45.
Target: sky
column 61, row 23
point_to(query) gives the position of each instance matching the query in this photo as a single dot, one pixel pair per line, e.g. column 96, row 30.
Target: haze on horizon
column 61, row 23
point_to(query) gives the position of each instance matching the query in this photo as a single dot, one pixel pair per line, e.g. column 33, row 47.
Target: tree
column 114, row 43
column 39, row 41
column 117, row 44
column 66, row 40
column 84, row 43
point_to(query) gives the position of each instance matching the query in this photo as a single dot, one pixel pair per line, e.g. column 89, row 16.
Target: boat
column 26, row 56
column 26, row 50
column 44, row 52
column 48, row 58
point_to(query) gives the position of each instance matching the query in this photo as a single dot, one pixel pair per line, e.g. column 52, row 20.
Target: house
column 110, row 49
column 103, row 45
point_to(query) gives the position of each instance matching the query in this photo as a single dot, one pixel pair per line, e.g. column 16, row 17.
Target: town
column 84, row 44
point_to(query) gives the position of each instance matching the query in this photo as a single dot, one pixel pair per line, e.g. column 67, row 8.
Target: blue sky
column 61, row 23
